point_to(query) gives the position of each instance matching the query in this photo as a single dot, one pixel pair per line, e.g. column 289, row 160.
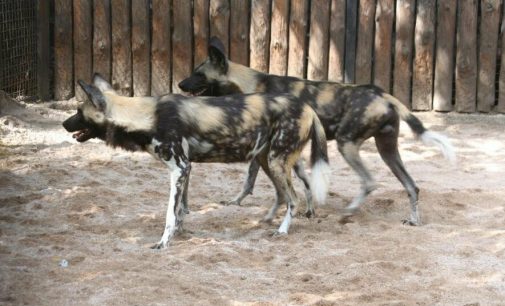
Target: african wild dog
column 178, row 130
column 349, row 113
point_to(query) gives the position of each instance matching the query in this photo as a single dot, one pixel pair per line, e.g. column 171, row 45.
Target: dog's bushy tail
column 319, row 182
column 428, row 137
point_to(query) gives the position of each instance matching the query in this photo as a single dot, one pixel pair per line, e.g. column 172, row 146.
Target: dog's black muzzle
column 76, row 123
column 196, row 85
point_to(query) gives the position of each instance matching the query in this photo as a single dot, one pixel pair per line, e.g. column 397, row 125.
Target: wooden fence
column 440, row 55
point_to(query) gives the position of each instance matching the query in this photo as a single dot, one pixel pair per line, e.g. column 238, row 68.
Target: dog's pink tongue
column 77, row 135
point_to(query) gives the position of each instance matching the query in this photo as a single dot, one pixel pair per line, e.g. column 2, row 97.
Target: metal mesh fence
column 18, row 38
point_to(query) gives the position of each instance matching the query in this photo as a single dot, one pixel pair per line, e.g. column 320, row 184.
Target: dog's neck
column 131, row 113
column 247, row 79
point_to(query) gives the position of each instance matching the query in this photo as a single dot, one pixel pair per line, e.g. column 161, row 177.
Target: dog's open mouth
column 198, row 92
column 82, row 135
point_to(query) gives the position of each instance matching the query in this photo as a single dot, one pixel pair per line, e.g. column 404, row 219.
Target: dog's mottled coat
column 272, row 129
column 349, row 113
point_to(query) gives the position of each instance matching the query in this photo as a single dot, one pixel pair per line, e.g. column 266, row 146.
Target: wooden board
column 351, row 32
column 43, row 50
column 200, row 30
column 279, row 37
column 141, row 48
column 366, row 22
column 488, row 42
column 102, row 41
column 317, row 67
column 337, row 41
column 239, row 31
column 297, row 43
column 121, row 47
column 384, row 21
column 500, row 107
column 219, row 17
column 260, row 35
column 63, row 50
column 161, row 70
column 182, row 56
column 466, row 57
column 403, row 50
column 422, row 79
column 444, row 62
column 82, row 45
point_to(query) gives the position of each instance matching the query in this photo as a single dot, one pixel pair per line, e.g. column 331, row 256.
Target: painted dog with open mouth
column 349, row 113
column 178, row 130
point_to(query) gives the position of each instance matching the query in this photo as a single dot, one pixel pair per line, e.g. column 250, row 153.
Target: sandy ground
column 101, row 209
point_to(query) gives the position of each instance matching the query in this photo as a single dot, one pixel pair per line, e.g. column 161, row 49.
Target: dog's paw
column 310, row 213
column 160, row 245
column 279, row 234
column 411, row 222
column 231, row 203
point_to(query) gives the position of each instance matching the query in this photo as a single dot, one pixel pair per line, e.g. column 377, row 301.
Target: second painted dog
column 349, row 113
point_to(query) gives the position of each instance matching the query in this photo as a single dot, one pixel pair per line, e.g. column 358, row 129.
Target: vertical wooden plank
column 181, row 43
column 239, row 31
column 422, row 79
column 500, row 107
column 279, row 37
column 82, row 45
column 466, row 56
column 141, row 48
column 351, row 32
column 337, row 41
column 102, row 40
column 365, row 41
column 219, row 16
column 43, row 50
column 160, row 49
column 297, row 51
column 63, row 50
column 121, row 47
column 317, row 67
column 260, row 35
column 403, row 50
column 444, row 62
column 384, row 20
column 201, row 29
column 488, row 42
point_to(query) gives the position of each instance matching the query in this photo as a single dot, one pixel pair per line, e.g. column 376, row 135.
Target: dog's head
column 89, row 121
column 211, row 78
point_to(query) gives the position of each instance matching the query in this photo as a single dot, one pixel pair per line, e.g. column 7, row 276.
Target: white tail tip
column 319, row 182
column 442, row 142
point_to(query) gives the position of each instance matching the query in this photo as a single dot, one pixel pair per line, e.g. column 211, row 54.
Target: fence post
column 351, row 33
column 43, row 50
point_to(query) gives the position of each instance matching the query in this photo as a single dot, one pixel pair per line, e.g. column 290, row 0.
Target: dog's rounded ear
column 217, row 53
column 100, row 83
column 94, row 95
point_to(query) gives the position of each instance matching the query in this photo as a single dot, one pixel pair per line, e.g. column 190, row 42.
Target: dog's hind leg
column 280, row 197
column 350, row 152
column 248, row 187
column 280, row 173
column 386, row 141
column 300, row 172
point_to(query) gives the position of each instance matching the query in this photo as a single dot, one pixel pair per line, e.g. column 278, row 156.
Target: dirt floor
column 77, row 222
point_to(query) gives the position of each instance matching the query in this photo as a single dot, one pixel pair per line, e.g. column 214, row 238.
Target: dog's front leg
column 180, row 168
column 248, row 187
